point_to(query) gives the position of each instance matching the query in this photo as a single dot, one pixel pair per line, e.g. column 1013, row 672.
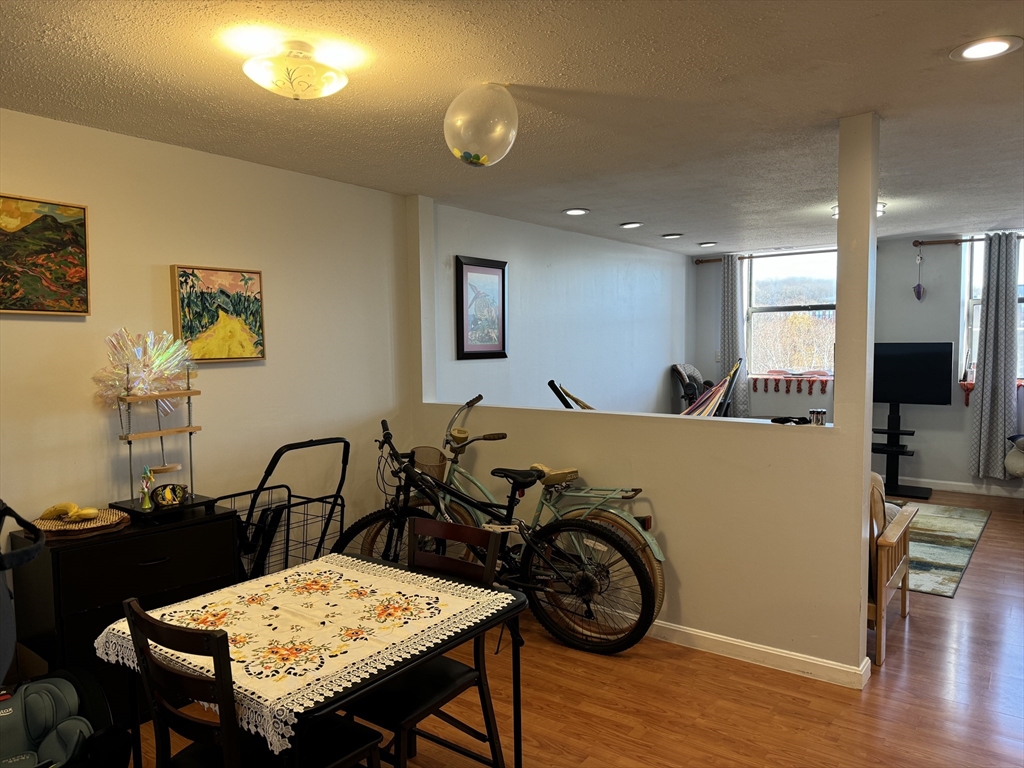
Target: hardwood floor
column 951, row 692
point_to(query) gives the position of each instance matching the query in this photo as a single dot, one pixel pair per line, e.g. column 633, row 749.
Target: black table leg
column 517, row 693
column 136, row 720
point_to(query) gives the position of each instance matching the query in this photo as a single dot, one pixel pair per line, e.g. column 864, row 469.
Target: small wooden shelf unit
column 125, row 403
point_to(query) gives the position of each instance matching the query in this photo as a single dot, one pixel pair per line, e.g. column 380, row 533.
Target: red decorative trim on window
column 776, row 385
column 755, row 385
column 824, row 385
column 789, row 383
column 799, row 386
column 1020, row 383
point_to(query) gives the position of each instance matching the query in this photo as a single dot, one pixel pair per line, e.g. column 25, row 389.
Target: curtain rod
column 916, row 244
column 767, row 255
column 957, row 241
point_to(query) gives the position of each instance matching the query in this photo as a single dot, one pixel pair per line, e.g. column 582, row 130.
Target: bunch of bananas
column 70, row 512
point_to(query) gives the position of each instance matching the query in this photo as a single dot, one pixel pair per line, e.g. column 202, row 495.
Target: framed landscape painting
column 44, row 257
column 218, row 312
column 480, row 308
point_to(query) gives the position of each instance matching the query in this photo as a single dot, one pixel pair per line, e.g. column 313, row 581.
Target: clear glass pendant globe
column 481, row 124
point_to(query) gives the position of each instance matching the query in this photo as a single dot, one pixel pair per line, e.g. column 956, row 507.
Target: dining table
column 308, row 639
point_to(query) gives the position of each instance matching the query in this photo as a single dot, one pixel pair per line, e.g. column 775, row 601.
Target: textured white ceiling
column 717, row 119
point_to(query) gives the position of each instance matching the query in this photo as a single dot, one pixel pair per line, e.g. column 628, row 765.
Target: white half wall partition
column 763, row 527
column 605, row 319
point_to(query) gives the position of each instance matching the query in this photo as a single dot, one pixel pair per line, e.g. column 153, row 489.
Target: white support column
column 855, row 309
column 422, row 333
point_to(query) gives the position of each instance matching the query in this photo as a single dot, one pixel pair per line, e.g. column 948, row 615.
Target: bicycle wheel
column 594, row 592
column 632, row 535
column 384, row 535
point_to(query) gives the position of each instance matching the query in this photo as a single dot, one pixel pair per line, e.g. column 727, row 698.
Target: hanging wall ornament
column 919, row 289
column 481, row 124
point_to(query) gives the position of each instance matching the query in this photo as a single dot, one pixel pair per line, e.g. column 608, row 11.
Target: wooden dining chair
column 401, row 704
column 330, row 742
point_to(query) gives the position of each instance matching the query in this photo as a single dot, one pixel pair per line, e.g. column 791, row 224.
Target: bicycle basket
column 431, row 461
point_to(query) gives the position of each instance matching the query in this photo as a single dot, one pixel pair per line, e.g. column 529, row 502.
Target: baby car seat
column 41, row 722
column 39, row 725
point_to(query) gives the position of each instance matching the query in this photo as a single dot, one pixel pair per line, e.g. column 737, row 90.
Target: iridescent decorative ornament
column 141, row 364
column 481, row 125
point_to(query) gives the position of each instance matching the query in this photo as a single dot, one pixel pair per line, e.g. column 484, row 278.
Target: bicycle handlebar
column 494, row 436
column 474, row 401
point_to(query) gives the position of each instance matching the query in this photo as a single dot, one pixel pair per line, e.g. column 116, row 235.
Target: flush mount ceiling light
column 986, row 48
column 631, row 224
column 879, row 210
column 296, row 72
column 576, row 211
column 673, row 236
column 707, row 245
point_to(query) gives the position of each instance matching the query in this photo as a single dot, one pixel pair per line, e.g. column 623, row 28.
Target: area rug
column 942, row 540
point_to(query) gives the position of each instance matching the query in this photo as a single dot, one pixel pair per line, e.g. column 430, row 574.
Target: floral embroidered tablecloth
column 301, row 635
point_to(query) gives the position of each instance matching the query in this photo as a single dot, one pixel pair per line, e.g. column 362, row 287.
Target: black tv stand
column 893, row 449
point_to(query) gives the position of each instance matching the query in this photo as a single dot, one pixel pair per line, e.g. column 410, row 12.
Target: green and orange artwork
column 44, row 262
column 218, row 313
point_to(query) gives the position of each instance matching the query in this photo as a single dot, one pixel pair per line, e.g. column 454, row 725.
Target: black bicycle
column 586, row 585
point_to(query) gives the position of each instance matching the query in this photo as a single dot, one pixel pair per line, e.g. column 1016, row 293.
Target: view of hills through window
column 792, row 313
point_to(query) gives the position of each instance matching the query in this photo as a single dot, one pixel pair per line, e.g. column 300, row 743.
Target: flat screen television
column 916, row 373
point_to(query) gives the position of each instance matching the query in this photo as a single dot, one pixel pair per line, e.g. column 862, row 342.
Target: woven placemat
column 107, row 520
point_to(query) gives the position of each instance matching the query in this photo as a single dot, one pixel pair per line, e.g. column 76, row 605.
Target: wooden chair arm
column 894, row 531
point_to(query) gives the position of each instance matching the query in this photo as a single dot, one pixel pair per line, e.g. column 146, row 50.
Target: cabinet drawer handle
column 154, row 562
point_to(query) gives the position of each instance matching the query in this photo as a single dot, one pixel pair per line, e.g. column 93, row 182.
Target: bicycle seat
column 523, row 478
column 556, row 476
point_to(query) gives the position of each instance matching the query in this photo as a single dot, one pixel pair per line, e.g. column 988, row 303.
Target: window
column 974, row 253
column 791, row 314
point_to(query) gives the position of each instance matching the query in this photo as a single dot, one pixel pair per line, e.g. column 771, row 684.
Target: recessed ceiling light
column 706, row 245
column 631, row 224
column 673, row 236
column 879, row 210
column 576, row 211
column 986, row 48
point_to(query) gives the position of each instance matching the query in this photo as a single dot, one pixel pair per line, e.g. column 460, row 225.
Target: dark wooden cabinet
column 66, row 596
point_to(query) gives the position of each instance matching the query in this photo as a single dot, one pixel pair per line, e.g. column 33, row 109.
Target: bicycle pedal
column 517, row 550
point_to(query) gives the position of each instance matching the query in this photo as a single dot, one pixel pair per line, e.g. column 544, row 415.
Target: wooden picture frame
column 481, row 308
column 44, row 257
column 218, row 312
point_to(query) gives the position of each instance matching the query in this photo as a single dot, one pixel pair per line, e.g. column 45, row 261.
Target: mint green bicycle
column 560, row 497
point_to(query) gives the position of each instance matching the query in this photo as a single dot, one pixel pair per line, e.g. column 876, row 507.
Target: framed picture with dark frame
column 480, row 308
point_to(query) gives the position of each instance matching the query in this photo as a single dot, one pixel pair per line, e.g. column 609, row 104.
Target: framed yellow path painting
column 218, row 313
column 44, row 257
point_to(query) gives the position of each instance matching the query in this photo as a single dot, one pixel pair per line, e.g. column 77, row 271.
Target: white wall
column 604, row 319
column 754, row 559
column 943, row 433
column 329, row 254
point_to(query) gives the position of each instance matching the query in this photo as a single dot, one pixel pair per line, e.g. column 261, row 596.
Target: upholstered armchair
column 890, row 562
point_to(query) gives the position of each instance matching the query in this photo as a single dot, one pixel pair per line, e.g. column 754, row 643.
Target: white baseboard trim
column 1008, row 488
column 808, row 666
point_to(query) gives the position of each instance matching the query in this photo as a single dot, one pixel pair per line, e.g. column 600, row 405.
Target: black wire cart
column 278, row 527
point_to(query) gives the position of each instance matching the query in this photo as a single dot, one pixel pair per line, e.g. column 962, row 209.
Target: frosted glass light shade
column 481, row 124
column 295, row 73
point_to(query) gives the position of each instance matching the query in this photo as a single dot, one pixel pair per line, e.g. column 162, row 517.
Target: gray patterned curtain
column 733, row 342
column 995, row 412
